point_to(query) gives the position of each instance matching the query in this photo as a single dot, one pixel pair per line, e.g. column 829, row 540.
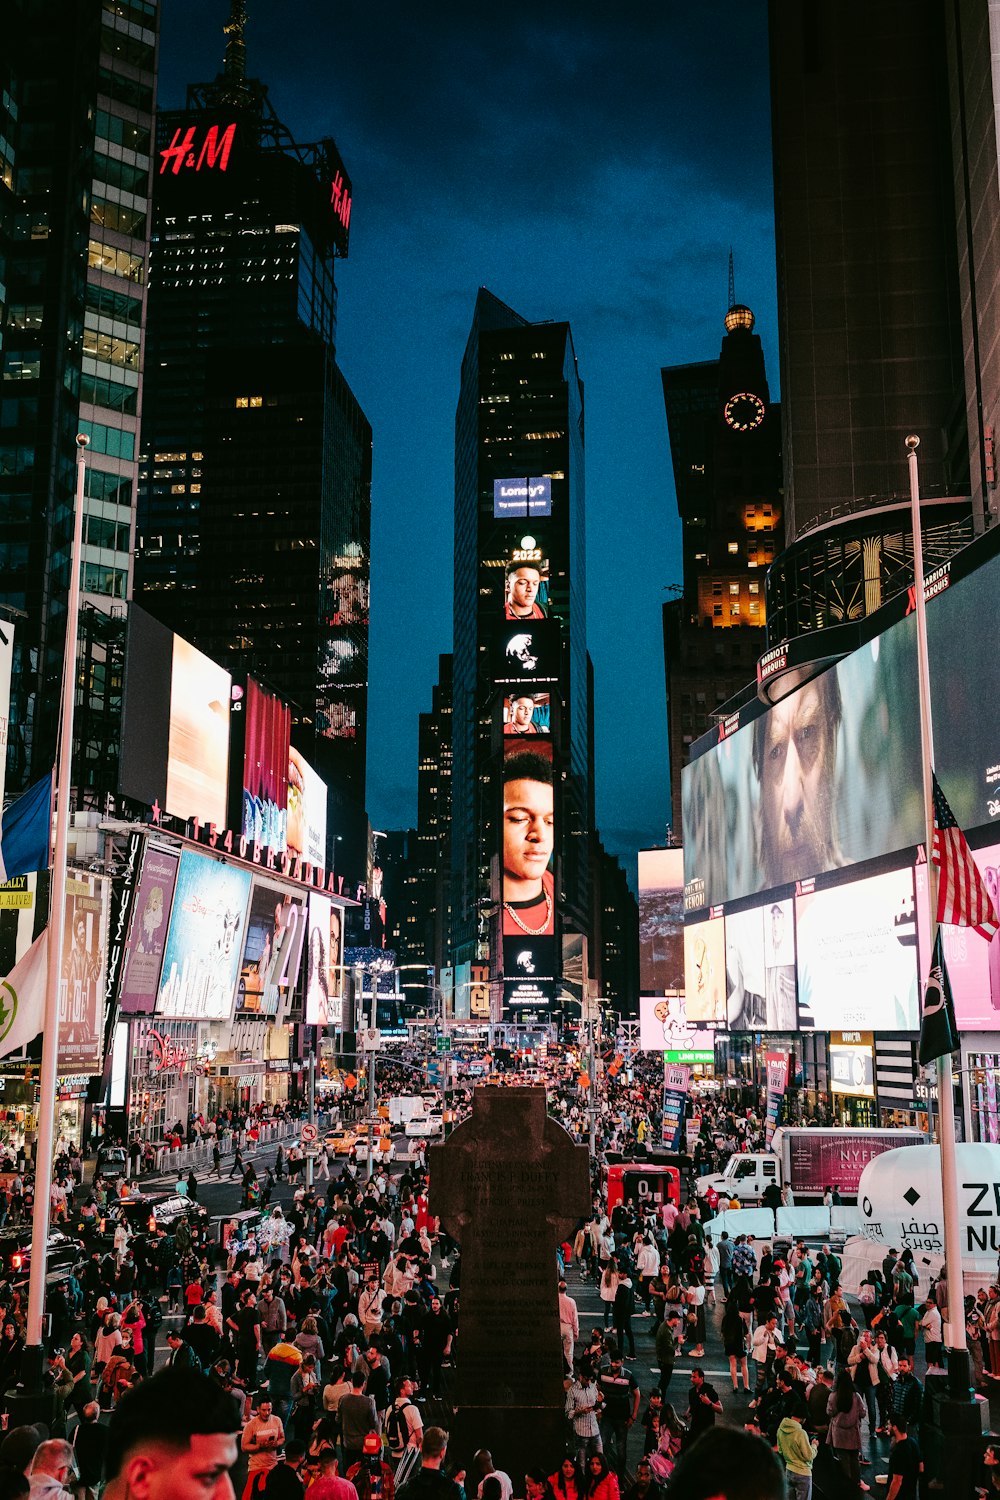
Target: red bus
column 646, row 1184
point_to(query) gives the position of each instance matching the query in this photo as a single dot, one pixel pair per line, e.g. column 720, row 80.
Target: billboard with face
column 664, row 1027
column 973, row 964
column 275, row 932
column 201, row 961
column 148, row 937
column 760, row 968
column 705, row 970
column 306, row 825
column 324, row 963
column 661, row 919
column 828, row 777
column 81, row 991
column 526, row 714
column 528, row 824
column 198, row 742
column 526, row 584
column 857, row 955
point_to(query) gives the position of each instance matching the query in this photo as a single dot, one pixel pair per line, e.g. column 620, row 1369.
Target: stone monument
column 509, row 1186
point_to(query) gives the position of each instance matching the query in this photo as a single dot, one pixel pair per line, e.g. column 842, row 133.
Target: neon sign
column 214, row 152
column 166, row 1055
column 340, row 199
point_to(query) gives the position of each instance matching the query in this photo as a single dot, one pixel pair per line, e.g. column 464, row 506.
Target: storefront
column 71, row 1111
column 981, row 1079
column 161, row 1075
column 18, row 1106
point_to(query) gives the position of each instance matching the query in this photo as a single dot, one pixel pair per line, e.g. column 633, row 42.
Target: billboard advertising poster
column 528, row 971
column 526, row 583
column 528, row 825
column 826, row 778
column 81, row 992
column 201, row 962
column 674, row 1116
column 516, row 499
column 760, row 968
column 852, row 1063
column 272, row 948
column 526, row 714
column 777, row 1082
column 147, row 939
column 198, row 743
column 306, row 803
column 857, row 955
column 661, row 919
column 6, row 664
column 973, row 963
column 324, row 963
column 705, row 970
column 267, row 725
column 527, row 652
column 664, row 1027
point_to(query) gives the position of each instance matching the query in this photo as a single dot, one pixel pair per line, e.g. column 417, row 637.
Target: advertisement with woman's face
column 527, row 821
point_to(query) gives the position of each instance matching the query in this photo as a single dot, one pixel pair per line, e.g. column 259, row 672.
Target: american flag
column 963, row 900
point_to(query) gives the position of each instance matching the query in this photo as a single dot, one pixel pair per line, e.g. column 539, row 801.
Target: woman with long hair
column 734, row 1342
column 607, row 1289
column 601, row 1481
column 846, row 1409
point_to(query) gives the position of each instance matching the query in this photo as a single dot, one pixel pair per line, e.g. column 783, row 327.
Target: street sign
column 308, row 1133
column 371, row 1039
column 443, row 1042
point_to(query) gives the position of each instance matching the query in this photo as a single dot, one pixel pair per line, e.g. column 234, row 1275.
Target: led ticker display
column 528, row 824
column 517, row 499
column 201, row 962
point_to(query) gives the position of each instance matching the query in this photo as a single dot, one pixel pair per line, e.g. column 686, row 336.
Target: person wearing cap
column 371, row 1475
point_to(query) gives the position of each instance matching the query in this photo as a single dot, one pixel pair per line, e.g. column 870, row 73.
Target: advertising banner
column 6, row 665
column 529, row 972
column 834, row 1158
column 306, row 804
column 324, row 1004
column 148, row 934
column 528, row 825
column 777, row 1083
column 661, row 920
column 526, row 651
column 526, row 714
column 272, row 949
column 674, row 1115
column 760, row 969
column 516, row 499
column 81, row 993
column 705, row 970
column 677, row 1076
column 857, row 955
column 198, row 744
column 267, row 724
column 663, row 1027
column 973, row 963
column 852, row 1063
column 201, row 961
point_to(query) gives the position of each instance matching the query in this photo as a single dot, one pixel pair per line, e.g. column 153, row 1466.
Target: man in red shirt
column 328, row 1485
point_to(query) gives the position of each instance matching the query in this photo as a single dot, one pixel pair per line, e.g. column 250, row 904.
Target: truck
column 809, row 1159
column 403, row 1107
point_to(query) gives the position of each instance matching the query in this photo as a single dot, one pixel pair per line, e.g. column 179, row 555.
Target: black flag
column 938, row 1029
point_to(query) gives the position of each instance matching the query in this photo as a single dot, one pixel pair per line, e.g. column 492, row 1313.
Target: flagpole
column 955, row 1339
column 34, row 1352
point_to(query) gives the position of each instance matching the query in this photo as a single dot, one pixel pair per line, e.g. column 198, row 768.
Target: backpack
column 397, row 1428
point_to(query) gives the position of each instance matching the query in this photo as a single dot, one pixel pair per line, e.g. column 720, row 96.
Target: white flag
column 22, row 998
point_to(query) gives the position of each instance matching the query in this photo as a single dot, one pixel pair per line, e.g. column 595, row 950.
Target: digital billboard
column 857, row 955
column 705, row 970
column 198, row 741
column 828, row 777
column 201, row 961
column 760, row 968
column 81, row 991
column 852, row 1064
column 526, row 714
column 528, row 824
column 973, row 963
column 324, row 963
column 526, row 582
column 661, row 919
column 516, row 499
column 272, row 948
column 664, row 1027
column 266, row 728
column 529, row 972
column 148, row 937
column 527, row 652
column 306, row 822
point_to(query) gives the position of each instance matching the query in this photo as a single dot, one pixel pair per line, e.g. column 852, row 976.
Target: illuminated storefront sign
column 213, row 152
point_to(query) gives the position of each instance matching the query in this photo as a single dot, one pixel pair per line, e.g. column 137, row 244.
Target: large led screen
column 526, row 714
column 526, row 652
column 147, row 940
column 760, row 968
column 528, row 825
column 973, row 963
column 201, row 962
column 526, row 583
column 857, row 955
column 705, row 970
column 661, row 919
column 514, row 499
column 529, row 971
column 828, row 777
column 324, row 963
column 306, row 824
column 266, row 728
column 198, row 743
column 81, row 991
column 664, row 1027
column 269, row 965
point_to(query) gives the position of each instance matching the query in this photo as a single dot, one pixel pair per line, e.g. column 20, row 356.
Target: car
column 384, row 1149
column 148, row 1213
column 422, row 1127
column 64, row 1251
column 341, row 1142
column 112, row 1163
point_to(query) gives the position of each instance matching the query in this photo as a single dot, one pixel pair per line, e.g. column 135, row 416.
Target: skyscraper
column 521, row 697
column 76, row 121
column 255, row 487
column 724, row 443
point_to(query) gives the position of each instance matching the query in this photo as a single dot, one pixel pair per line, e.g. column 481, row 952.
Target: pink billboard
column 973, row 963
column 834, row 1158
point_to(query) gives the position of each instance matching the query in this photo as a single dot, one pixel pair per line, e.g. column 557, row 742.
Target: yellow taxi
column 341, row 1142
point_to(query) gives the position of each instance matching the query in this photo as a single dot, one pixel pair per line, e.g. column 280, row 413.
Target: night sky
column 585, row 162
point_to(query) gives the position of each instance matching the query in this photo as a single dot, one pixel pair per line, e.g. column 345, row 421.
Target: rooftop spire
column 235, row 65
column 732, row 280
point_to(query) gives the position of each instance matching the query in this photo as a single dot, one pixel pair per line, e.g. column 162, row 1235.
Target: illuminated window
column 506, row 356
column 734, row 588
column 734, row 546
column 754, row 588
column 196, row 489
column 178, row 489
column 242, row 401
column 256, row 400
column 755, row 606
